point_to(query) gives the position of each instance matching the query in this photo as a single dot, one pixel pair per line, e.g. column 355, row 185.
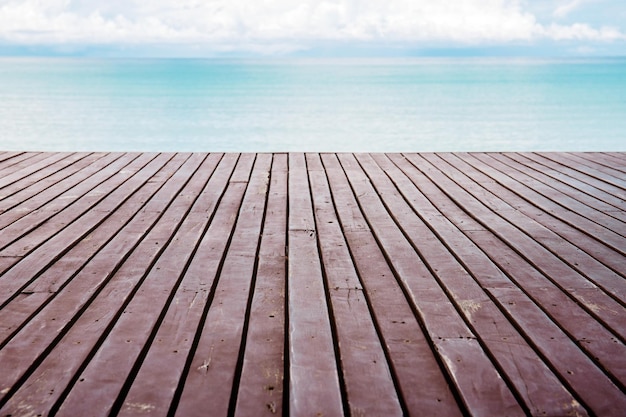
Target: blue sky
column 310, row 27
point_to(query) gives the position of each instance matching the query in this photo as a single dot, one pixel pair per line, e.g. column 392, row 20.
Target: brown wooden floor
column 489, row 284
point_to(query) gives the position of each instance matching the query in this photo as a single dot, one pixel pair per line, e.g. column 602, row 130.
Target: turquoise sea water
column 313, row 105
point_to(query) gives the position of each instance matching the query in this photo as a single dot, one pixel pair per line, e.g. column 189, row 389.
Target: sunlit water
column 313, row 105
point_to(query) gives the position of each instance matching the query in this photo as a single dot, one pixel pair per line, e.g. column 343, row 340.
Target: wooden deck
column 488, row 284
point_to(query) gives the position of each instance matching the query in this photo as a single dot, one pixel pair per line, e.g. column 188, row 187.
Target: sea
column 313, row 104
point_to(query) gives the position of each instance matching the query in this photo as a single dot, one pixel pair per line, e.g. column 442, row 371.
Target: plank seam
column 492, row 297
column 70, row 323
column 67, row 248
column 446, row 290
column 244, row 333
column 543, row 245
column 86, row 262
column 329, row 305
column 427, row 336
column 375, row 320
column 210, row 296
column 559, row 325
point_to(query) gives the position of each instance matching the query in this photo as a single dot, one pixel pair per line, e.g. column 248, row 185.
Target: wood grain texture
column 439, row 284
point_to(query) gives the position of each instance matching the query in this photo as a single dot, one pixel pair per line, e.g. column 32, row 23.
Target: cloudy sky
column 207, row 27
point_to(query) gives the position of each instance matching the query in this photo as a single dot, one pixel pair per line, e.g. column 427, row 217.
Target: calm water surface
column 313, row 105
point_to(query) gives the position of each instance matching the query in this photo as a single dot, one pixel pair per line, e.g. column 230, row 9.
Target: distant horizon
column 313, row 53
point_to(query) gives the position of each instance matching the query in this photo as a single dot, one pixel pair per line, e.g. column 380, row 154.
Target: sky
column 312, row 27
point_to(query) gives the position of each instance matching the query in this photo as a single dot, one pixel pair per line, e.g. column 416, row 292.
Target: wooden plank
column 353, row 284
column 213, row 377
column 563, row 249
column 5, row 157
column 590, row 336
column 426, row 391
column 369, row 385
column 592, row 261
column 602, row 197
column 27, row 166
column 597, row 160
column 42, row 174
column 456, row 344
column 568, row 314
column 261, row 386
column 313, row 373
column 29, row 267
column 58, row 314
column 20, row 207
column 22, row 190
column 166, row 359
column 614, row 159
column 603, row 306
column 58, row 274
column 587, row 179
column 602, row 234
column 592, row 398
column 20, row 161
column 553, row 201
column 579, row 191
column 57, row 372
column 586, row 168
column 33, row 168
column 570, row 199
column 468, row 276
column 80, row 198
column 134, row 332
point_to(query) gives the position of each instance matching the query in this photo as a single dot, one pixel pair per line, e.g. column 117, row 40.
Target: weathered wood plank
column 602, row 234
column 550, row 298
column 32, row 185
column 32, row 169
column 19, row 207
column 134, row 331
column 614, row 159
column 561, row 166
column 581, row 216
column 60, row 312
column 213, row 376
column 58, row 274
column 561, row 238
column 565, row 193
column 587, row 168
column 167, row 356
column 59, row 367
column 603, row 306
column 407, row 347
column 94, row 214
column 576, row 202
column 313, row 373
column 455, row 342
column 80, row 198
column 596, row 161
column 597, row 197
column 20, row 161
column 469, row 278
column 40, row 175
column 261, row 386
column 369, row 385
column 7, row 156
column 591, row 397
column 361, row 284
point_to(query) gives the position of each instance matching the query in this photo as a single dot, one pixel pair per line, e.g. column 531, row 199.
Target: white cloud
column 568, row 7
column 580, row 31
column 282, row 24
